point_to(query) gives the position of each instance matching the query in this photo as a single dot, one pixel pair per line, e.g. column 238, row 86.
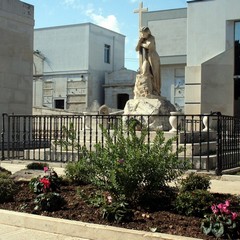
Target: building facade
column 199, row 52
column 16, row 58
column 169, row 27
column 70, row 63
column 119, row 87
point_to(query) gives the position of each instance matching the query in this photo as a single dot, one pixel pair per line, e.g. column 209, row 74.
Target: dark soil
column 77, row 209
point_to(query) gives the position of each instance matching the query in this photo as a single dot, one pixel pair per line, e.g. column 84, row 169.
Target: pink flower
column 225, row 209
column 227, row 203
column 109, row 199
column 234, row 215
column 214, row 209
column 45, row 169
column 121, row 160
column 220, row 207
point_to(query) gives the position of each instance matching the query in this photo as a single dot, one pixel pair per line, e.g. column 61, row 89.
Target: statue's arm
column 149, row 43
column 139, row 45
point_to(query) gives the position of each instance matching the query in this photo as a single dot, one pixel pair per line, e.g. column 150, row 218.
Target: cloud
column 72, row 3
column 133, row 1
column 109, row 22
column 95, row 15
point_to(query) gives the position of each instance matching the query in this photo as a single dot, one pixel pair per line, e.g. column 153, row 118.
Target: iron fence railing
column 210, row 142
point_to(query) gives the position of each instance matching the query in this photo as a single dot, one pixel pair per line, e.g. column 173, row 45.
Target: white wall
column 65, row 48
column 16, row 54
column 210, row 36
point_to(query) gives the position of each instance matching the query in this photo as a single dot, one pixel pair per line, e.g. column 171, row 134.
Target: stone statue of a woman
column 149, row 59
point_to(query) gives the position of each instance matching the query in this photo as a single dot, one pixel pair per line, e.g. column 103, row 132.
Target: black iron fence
column 210, row 142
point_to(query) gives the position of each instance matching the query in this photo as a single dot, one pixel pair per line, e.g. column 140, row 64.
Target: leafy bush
column 129, row 166
column 37, row 165
column 194, row 203
column 80, row 171
column 7, row 188
column 195, row 181
column 50, row 201
column 223, row 222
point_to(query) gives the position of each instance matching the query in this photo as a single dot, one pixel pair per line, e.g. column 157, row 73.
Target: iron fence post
column 218, row 169
column 3, row 135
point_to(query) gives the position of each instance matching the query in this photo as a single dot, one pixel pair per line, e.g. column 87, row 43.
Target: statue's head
column 145, row 31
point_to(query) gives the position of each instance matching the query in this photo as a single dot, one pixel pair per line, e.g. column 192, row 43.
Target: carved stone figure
column 148, row 105
column 149, row 62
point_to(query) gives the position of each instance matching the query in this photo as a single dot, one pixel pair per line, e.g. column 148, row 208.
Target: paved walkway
column 18, row 233
column 223, row 184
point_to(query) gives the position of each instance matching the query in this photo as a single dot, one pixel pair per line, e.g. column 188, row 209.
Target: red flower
column 45, row 182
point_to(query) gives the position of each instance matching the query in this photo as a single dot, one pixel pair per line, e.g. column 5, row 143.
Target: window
column 237, row 49
column 59, row 103
column 107, row 53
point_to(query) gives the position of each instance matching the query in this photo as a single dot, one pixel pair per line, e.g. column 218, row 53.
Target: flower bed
column 126, row 184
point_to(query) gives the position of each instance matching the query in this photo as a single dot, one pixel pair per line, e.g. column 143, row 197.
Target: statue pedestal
column 143, row 86
column 148, row 109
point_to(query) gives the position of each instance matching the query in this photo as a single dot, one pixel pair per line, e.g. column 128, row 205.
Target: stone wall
column 16, row 47
column 16, row 54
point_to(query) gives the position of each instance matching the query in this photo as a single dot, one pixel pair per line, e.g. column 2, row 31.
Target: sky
column 116, row 15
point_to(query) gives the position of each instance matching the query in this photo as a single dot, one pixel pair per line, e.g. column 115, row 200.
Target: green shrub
column 129, row 166
column 195, row 181
column 7, row 188
column 194, row 203
column 80, row 171
column 50, row 201
column 37, row 165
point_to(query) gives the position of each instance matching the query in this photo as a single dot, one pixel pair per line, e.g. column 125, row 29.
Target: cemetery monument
column 147, row 90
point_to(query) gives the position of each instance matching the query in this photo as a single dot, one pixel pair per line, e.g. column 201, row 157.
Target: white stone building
column 119, row 87
column 70, row 63
column 199, row 52
column 16, row 58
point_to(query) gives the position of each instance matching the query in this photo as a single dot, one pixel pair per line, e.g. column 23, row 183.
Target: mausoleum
column 199, row 53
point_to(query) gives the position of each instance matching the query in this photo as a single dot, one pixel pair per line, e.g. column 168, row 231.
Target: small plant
column 48, row 183
column 222, row 223
column 116, row 211
column 37, row 165
column 68, row 139
column 195, row 181
column 50, row 201
column 194, row 203
column 7, row 188
column 47, row 199
column 95, row 199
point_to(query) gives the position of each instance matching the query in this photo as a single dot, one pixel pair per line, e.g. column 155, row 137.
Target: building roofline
column 167, row 10
column 193, row 1
column 77, row 25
